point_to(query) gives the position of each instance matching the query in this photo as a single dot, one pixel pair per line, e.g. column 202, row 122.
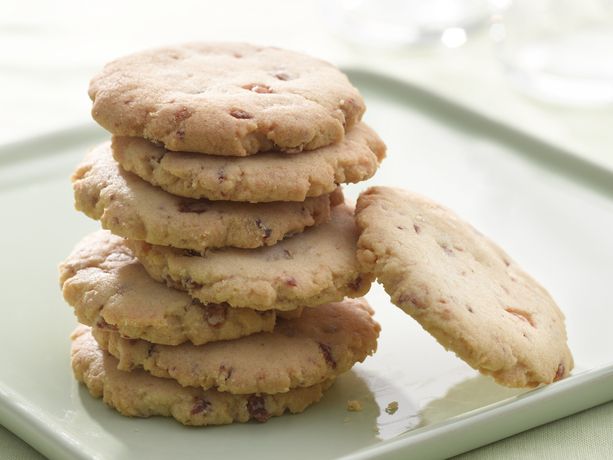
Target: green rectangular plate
column 552, row 211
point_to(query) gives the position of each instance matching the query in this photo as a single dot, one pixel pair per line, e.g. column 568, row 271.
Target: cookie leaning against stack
column 224, row 219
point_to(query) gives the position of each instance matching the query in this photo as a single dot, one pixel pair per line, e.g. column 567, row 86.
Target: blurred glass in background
column 559, row 51
column 391, row 23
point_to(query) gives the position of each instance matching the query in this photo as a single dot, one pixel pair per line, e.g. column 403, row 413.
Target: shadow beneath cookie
column 470, row 394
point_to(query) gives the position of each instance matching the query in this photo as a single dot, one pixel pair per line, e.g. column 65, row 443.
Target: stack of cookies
column 225, row 286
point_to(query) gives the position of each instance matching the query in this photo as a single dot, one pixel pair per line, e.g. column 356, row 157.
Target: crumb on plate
column 392, row 407
column 353, row 405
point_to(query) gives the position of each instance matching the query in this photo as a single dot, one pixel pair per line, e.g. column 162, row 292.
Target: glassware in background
column 393, row 23
column 559, row 51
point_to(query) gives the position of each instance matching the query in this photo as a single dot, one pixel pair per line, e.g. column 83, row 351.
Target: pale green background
column 51, row 49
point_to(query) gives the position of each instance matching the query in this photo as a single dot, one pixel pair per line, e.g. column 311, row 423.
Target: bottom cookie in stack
column 138, row 394
column 254, row 377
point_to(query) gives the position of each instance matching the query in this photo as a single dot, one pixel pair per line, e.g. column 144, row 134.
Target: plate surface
column 552, row 212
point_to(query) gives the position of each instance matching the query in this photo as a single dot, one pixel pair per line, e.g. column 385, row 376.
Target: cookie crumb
column 353, row 405
column 392, row 407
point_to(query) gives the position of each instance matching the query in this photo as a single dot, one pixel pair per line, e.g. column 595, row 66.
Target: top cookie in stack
column 226, row 99
column 222, row 158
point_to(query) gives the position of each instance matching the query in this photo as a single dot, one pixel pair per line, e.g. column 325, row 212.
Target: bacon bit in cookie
column 521, row 314
column 257, row 408
column 355, row 284
column 181, row 133
column 237, row 55
column 406, row 297
column 258, row 88
column 559, row 372
column 102, row 324
column 446, row 248
column 417, row 228
column 392, row 407
column 194, row 206
column 182, row 114
column 266, row 231
column 283, row 76
column 291, row 281
column 240, row 114
column 353, row 405
column 347, row 102
column 327, row 352
column 215, row 314
column 221, row 175
column 200, row 405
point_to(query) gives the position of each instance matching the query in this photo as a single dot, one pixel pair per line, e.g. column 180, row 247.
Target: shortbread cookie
column 130, row 207
column 261, row 178
column 323, row 343
column 462, row 288
column 311, row 268
column 138, row 394
column 226, row 99
column 107, row 286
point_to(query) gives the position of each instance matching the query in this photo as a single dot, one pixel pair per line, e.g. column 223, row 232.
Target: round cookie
column 133, row 208
column 308, row 269
column 107, row 287
column 139, row 394
column 462, row 288
column 226, row 99
column 262, row 178
column 323, row 343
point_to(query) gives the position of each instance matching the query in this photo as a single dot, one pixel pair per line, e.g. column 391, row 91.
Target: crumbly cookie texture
column 462, row 288
column 314, row 267
column 226, row 99
column 265, row 177
column 139, row 394
column 323, row 343
column 130, row 207
column 107, row 287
